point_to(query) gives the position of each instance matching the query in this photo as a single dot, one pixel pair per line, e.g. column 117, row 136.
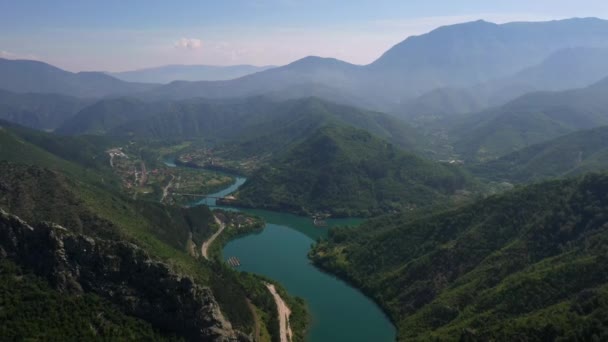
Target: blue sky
column 119, row 35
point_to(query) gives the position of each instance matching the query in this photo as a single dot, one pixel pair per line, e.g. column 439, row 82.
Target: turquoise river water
column 339, row 311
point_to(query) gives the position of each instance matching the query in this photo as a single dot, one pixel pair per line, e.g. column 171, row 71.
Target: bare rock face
column 120, row 272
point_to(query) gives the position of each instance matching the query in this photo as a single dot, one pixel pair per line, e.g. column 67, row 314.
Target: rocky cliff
column 120, row 272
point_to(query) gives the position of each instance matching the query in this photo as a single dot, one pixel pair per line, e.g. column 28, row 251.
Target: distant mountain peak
column 480, row 23
column 317, row 61
column 189, row 72
column 601, row 84
column 30, row 63
column 587, row 19
column 30, row 76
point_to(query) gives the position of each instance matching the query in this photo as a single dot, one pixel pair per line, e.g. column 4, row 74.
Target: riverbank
column 323, row 308
column 295, row 210
column 233, row 224
column 338, row 311
column 326, row 265
column 239, row 225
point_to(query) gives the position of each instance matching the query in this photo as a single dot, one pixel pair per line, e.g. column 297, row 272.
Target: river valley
column 339, row 311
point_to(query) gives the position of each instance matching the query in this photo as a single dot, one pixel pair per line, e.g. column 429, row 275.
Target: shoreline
column 210, row 248
column 350, row 281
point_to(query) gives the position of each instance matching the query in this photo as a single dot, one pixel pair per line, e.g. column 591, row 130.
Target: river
column 339, row 311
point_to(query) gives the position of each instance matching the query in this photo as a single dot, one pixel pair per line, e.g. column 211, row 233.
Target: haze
column 120, row 35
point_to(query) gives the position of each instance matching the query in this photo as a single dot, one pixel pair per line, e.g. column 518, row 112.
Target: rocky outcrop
column 120, row 272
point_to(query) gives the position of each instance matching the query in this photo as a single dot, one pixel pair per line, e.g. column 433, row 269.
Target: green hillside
column 33, row 310
column 571, row 154
column 526, row 265
column 349, row 172
column 530, row 119
column 439, row 104
column 291, row 122
column 82, row 158
column 259, row 123
column 14, row 148
column 38, row 186
column 105, row 115
column 88, row 151
column 40, row 111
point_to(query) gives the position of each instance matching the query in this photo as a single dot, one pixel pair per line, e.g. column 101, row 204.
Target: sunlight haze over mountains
column 117, row 35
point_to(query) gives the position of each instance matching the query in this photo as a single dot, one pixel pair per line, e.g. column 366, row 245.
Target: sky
column 119, row 35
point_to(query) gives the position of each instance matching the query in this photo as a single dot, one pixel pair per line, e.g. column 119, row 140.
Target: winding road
column 206, row 244
column 284, row 313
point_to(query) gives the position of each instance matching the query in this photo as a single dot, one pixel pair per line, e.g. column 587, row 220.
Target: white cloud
column 188, row 43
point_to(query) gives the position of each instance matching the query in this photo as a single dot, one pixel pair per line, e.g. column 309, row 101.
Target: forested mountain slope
column 530, row 263
column 259, row 121
column 572, row 154
column 132, row 255
column 40, row 111
column 349, row 172
column 530, row 119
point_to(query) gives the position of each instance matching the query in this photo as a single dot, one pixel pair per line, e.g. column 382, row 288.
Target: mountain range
column 568, row 68
column 529, row 119
column 566, row 156
column 40, row 111
column 264, row 123
column 25, row 76
column 451, row 56
column 456, row 55
column 176, row 72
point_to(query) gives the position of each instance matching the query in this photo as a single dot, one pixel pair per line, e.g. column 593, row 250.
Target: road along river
column 339, row 311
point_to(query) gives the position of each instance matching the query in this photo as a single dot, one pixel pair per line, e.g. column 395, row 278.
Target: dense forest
column 528, row 264
column 568, row 155
column 84, row 198
column 32, row 309
column 349, row 172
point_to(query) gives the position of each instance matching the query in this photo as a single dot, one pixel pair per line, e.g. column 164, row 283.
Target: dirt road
column 284, row 313
column 206, row 244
